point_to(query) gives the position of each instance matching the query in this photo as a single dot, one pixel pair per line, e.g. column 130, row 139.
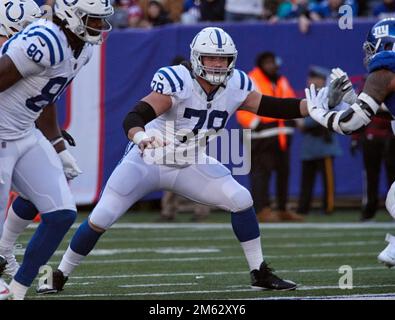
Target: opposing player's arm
column 281, row 108
column 379, row 84
column 9, row 74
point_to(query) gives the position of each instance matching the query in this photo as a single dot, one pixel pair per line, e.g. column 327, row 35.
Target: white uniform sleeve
column 34, row 50
column 168, row 81
column 244, row 83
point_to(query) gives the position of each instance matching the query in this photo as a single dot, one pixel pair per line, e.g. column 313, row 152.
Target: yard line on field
column 274, row 226
column 161, row 293
column 217, row 249
column 109, row 238
column 314, row 255
column 164, row 250
column 157, row 285
column 222, row 273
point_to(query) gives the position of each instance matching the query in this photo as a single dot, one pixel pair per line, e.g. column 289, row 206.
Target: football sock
column 43, row 244
column 20, row 214
column 82, row 243
column 245, row 226
column 18, row 290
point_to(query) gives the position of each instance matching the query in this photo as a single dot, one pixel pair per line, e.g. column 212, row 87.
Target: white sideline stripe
column 157, row 285
column 314, row 255
column 373, row 296
column 275, row 226
column 307, row 288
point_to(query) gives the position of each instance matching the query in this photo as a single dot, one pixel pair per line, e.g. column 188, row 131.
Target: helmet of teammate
column 82, row 16
column 380, row 38
column 15, row 15
column 213, row 42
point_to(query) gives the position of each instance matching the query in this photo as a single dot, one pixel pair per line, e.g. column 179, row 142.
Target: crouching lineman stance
column 36, row 65
column 378, row 93
column 48, row 125
column 194, row 102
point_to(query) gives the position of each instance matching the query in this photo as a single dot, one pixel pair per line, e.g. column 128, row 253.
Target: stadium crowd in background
column 153, row 13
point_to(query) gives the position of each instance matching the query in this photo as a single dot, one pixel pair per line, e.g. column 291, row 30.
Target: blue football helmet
column 380, row 38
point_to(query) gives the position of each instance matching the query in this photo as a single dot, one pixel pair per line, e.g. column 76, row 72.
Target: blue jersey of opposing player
column 380, row 54
column 385, row 60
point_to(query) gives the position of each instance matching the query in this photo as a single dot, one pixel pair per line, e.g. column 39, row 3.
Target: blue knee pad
column 46, row 239
column 24, row 209
column 245, row 225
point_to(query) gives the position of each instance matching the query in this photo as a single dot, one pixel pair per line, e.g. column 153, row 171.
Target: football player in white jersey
column 14, row 17
column 36, row 65
column 194, row 101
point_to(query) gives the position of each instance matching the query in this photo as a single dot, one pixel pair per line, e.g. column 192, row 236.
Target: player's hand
column 340, row 89
column 70, row 167
column 151, row 143
column 317, row 104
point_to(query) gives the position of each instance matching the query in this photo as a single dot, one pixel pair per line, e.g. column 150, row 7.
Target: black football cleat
column 58, row 282
column 265, row 279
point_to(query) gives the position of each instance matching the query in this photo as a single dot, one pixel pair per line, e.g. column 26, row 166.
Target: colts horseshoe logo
column 7, row 12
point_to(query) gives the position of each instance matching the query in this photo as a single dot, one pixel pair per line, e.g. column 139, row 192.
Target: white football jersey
column 194, row 114
column 44, row 58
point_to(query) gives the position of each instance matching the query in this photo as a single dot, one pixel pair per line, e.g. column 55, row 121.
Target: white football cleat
column 5, row 293
column 387, row 256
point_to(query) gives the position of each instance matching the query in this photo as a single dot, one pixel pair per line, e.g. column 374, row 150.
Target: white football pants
column 133, row 178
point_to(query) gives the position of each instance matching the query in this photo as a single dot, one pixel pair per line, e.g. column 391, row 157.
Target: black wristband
column 141, row 114
column 288, row 108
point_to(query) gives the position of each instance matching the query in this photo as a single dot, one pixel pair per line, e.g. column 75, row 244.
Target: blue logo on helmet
column 8, row 10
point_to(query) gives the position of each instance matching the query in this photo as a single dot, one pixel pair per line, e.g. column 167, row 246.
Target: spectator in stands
column 329, row 9
column 156, row 14
column 270, row 142
column 378, row 148
column 191, row 12
column 298, row 10
column 247, row 10
column 319, row 147
column 127, row 13
column 384, row 9
column 212, row 10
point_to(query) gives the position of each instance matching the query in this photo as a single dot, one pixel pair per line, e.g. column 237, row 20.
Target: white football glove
column 340, row 89
column 317, row 104
column 70, row 167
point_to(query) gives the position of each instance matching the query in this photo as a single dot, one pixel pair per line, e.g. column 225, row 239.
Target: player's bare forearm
column 9, row 74
column 303, row 108
column 48, row 125
column 380, row 84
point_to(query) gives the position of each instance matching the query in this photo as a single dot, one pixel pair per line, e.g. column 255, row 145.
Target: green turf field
column 140, row 259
